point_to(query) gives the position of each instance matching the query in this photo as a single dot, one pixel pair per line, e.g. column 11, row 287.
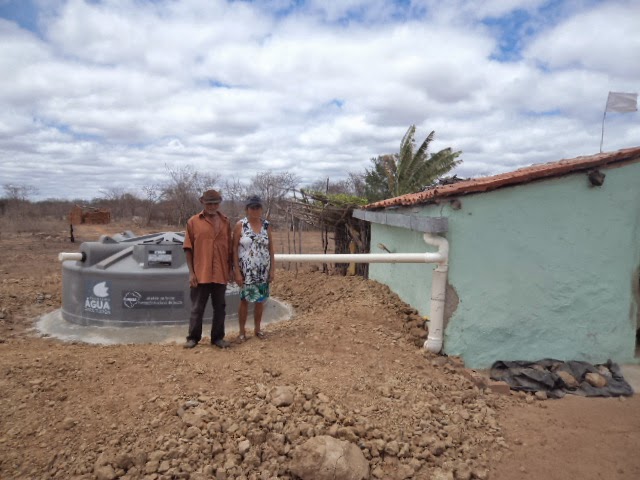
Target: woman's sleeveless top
column 253, row 253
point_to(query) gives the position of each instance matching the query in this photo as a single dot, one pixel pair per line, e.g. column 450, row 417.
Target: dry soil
column 349, row 355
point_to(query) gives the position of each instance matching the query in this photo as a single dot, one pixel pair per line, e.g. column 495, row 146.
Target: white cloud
column 109, row 92
column 604, row 40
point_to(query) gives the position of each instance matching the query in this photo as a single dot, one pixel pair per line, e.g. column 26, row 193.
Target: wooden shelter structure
column 334, row 213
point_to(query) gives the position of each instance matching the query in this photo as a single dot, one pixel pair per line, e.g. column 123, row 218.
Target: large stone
column 124, row 461
column 596, row 380
column 392, row 448
column 405, row 472
column 541, row 395
column 282, row 396
column 501, row 388
column 105, row 472
column 197, row 417
column 327, row 413
column 604, row 371
column 326, row 458
column 568, row 379
column 440, row 474
column 68, row 423
column 256, row 437
column 244, row 446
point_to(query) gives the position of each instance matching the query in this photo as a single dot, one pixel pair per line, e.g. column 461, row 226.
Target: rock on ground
column 326, row 458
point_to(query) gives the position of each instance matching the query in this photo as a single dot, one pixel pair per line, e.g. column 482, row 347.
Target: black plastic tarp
column 544, row 375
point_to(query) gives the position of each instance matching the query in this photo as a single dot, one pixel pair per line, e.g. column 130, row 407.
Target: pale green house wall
column 545, row 269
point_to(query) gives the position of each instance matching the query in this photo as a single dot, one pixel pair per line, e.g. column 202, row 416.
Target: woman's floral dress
column 255, row 261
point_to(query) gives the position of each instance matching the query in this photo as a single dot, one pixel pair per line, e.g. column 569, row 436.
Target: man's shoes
column 190, row 344
column 221, row 343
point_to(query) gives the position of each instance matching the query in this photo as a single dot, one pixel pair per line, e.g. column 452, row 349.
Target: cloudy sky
column 101, row 94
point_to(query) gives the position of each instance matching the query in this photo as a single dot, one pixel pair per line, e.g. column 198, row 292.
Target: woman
column 253, row 263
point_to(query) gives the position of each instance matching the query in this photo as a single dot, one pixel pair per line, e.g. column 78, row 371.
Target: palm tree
column 410, row 170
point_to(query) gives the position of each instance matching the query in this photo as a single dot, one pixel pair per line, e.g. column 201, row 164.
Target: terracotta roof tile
column 520, row 176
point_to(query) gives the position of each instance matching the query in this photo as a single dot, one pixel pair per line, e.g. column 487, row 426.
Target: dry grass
column 30, row 224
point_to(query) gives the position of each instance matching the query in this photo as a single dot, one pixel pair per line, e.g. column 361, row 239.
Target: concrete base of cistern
column 53, row 325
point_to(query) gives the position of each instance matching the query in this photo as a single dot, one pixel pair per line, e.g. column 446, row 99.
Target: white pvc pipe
column 438, row 291
column 435, row 338
column 426, row 257
column 79, row 256
column 438, row 283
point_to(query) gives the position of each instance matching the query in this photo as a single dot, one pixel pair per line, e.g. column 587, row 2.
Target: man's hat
column 211, row 196
column 254, row 201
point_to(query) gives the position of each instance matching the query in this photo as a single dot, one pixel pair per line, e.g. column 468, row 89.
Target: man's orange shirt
column 209, row 239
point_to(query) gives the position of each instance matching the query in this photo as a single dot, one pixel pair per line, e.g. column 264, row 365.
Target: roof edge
column 523, row 175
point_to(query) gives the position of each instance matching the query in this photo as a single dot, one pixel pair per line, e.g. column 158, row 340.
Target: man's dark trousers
column 199, row 297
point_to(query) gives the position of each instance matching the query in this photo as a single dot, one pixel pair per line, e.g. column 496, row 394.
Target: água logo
column 101, row 290
column 98, row 299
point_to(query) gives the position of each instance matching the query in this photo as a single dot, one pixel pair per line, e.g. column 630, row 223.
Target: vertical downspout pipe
column 438, row 290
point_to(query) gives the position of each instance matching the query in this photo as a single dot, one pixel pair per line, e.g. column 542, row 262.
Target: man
column 207, row 246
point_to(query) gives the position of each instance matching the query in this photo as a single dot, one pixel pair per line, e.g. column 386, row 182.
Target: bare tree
column 183, row 190
column 272, row 187
column 112, row 193
column 152, row 195
column 358, row 185
column 19, row 192
column 353, row 185
column 16, row 201
column 234, row 189
column 234, row 194
column 55, row 208
column 123, row 204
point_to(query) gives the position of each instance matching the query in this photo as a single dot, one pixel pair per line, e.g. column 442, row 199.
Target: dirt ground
column 349, row 355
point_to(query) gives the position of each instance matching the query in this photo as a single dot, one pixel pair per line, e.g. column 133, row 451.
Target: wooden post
column 351, row 271
column 293, row 226
column 289, row 227
column 325, row 244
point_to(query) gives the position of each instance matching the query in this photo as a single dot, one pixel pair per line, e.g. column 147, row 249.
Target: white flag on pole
column 622, row 102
